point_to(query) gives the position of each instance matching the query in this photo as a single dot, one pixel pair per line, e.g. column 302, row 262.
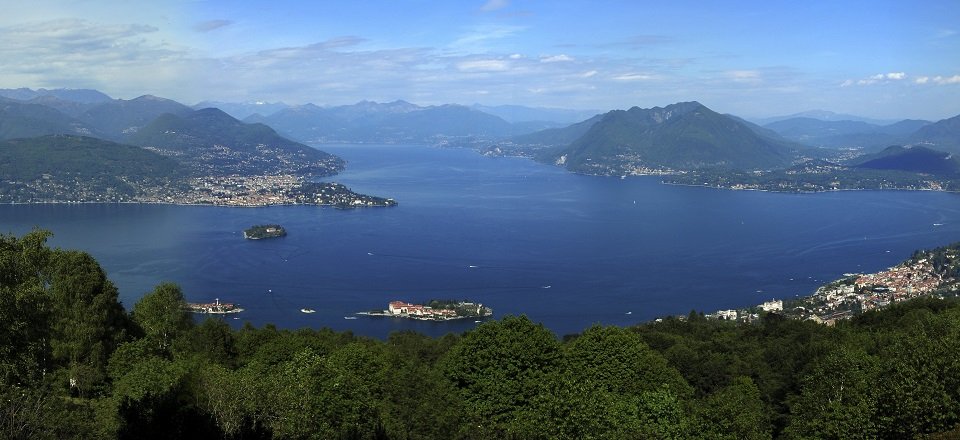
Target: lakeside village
column 254, row 191
column 216, row 190
column 434, row 310
column 927, row 273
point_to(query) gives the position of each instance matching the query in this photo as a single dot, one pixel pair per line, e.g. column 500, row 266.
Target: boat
column 629, row 313
column 308, row 311
column 349, row 317
column 214, row 308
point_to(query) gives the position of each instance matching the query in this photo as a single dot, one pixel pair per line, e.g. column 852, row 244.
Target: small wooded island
column 259, row 232
column 434, row 310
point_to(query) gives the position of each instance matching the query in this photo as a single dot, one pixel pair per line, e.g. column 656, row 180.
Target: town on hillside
column 927, row 273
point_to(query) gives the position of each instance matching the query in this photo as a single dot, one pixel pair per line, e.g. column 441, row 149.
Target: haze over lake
column 522, row 237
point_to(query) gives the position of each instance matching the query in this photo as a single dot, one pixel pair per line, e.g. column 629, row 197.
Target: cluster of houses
column 775, row 305
column 400, row 308
column 856, row 293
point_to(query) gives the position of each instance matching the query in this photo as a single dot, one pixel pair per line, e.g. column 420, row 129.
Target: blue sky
column 883, row 59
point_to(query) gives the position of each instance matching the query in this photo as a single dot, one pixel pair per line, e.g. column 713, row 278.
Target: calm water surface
column 521, row 237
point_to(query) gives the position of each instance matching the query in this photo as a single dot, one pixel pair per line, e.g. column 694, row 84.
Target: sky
column 879, row 59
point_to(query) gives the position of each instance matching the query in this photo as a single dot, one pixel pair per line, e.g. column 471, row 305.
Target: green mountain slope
column 80, row 156
column 679, row 136
column 58, row 168
column 118, row 119
column 20, row 120
column 916, row 159
column 217, row 143
column 943, row 135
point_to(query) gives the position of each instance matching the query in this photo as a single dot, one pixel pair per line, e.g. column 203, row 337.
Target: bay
column 524, row 238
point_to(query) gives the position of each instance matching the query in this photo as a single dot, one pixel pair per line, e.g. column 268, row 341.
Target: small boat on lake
column 308, row 311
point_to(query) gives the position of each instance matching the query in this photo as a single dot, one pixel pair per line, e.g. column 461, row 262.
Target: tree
column 839, row 399
column 921, row 392
column 735, row 412
column 87, row 319
column 617, row 359
column 212, row 340
column 162, row 314
column 24, row 308
column 498, row 368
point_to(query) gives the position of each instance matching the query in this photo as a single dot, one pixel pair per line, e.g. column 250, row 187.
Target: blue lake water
column 522, row 237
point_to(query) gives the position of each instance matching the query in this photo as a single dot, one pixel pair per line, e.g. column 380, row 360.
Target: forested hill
column 685, row 135
column 75, row 364
column 80, row 157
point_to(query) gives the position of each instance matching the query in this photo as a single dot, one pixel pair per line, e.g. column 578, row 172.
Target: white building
column 772, row 306
column 727, row 314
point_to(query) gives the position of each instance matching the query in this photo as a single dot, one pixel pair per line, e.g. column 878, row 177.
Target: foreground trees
column 74, row 364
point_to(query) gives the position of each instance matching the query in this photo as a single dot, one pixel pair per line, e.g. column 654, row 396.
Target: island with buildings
column 434, row 310
column 214, row 308
column 260, row 232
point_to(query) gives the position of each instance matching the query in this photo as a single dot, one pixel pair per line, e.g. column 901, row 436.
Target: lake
column 524, row 238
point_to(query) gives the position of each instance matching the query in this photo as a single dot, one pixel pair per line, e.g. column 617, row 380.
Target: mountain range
column 845, row 133
column 206, row 141
column 392, row 122
column 680, row 136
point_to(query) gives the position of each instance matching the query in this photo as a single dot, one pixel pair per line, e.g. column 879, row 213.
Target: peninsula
column 434, row 310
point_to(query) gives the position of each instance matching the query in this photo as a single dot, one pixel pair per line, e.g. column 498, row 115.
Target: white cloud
column 478, row 38
column 588, row 74
column 880, row 78
column 939, row 80
column 635, row 77
column 515, row 56
column 955, row 79
column 483, row 66
column 555, row 58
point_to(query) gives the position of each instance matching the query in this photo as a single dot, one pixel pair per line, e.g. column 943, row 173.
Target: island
column 434, row 310
column 214, row 308
column 260, row 232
